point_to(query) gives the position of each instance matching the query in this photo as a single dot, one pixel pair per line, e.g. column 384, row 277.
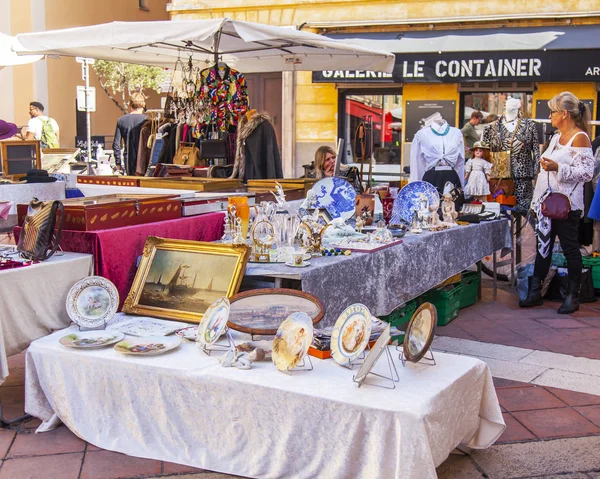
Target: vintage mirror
column 419, row 332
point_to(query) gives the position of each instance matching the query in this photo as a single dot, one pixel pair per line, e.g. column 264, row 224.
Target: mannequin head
column 512, row 105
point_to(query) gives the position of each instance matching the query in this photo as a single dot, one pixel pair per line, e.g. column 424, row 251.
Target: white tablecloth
column 33, row 299
column 183, row 407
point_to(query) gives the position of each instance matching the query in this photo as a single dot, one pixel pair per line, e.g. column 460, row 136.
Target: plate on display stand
column 92, row 302
column 336, row 195
column 214, row 322
column 351, row 334
column 407, row 202
column 91, row 339
column 150, row 346
column 292, row 341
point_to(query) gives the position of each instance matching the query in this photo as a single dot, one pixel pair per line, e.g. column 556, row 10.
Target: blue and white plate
column 336, row 195
column 407, row 201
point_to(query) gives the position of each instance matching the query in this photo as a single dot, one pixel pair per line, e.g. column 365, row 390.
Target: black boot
column 571, row 301
column 534, row 293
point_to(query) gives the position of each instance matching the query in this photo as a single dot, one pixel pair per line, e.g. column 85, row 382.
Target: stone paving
column 552, row 432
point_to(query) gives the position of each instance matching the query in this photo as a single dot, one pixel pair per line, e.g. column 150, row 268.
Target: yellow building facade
column 322, row 110
column 53, row 81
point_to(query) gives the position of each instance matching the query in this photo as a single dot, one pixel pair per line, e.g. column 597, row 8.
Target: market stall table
column 385, row 279
column 32, row 301
column 183, row 407
column 116, row 250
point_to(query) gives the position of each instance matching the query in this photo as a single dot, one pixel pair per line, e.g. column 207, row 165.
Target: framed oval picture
column 419, row 332
column 261, row 311
column 92, row 301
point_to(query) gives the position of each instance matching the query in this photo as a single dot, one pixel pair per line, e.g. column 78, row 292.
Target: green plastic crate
column 470, row 288
column 401, row 316
column 594, row 264
column 447, row 302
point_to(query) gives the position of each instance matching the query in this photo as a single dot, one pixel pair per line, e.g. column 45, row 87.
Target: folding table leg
column 4, row 423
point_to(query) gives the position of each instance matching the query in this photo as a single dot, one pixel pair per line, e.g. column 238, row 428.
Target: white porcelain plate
column 191, row 333
column 92, row 302
column 149, row 346
column 336, row 195
column 91, row 339
column 214, row 321
column 350, row 334
column 303, row 265
column 292, row 341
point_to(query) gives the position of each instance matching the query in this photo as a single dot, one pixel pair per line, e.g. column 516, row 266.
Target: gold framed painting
column 180, row 279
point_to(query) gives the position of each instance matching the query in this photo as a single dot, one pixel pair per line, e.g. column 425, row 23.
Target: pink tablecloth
column 116, row 250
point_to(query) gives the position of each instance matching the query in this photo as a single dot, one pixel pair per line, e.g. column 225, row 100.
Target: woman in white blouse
column 565, row 166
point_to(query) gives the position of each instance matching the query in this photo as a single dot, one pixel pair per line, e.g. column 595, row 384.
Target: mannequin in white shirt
column 437, row 153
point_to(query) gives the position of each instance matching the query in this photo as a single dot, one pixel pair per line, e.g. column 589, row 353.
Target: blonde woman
column 324, row 166
column 565, row 166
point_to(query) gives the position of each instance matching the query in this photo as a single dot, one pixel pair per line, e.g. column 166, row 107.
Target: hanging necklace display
column 441, row 133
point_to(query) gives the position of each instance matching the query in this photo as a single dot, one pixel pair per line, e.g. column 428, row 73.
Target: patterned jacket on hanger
column 227, row 100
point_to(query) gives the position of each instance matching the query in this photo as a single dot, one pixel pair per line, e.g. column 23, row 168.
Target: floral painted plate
column 214, row 321
column 92, row 302
column 149, row 346
column 292, row 341
column 336, row 195
column 408, row 201
column 351, row 334
column 191, row 333
column 91, row 339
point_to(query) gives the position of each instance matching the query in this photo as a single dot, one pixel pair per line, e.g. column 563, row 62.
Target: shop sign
column 554, row 65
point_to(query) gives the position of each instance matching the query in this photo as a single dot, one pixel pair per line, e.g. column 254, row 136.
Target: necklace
column 444, row 133
column 567, row 134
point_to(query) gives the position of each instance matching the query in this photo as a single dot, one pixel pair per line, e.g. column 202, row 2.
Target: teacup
column 298, row 259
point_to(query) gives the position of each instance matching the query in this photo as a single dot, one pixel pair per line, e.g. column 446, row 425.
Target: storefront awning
column 557, row 54
column 579, row 37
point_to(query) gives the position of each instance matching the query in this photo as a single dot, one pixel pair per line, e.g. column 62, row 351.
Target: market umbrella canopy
column 245, row 46
column 10, row 58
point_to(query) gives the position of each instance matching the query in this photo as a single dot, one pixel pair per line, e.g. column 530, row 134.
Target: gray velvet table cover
column 388, row 278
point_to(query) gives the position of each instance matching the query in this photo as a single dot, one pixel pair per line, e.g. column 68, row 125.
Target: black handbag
column 213, row 149
column 38, row 241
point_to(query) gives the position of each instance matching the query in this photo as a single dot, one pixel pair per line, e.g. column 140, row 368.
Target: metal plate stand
column 429, row 361
column 209, row 348
column 393, row 378
column 303, row 365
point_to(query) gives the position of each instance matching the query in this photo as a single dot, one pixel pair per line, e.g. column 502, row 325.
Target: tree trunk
column 114, row 100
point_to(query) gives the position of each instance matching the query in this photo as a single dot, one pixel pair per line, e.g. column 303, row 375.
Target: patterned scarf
column 543, row 229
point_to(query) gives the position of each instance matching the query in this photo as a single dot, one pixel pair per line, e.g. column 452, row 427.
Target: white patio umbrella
column 9, row 57
column 245, row 46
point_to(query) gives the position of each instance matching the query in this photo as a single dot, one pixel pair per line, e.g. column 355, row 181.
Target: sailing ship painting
column 187, row 281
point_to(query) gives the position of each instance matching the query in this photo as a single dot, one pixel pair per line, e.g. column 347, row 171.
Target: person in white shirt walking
column 41, row 127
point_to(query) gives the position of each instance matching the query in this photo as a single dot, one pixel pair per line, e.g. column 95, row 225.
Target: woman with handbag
column 558, row 197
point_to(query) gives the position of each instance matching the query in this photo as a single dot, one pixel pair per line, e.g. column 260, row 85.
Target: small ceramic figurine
column 280, row 197
column 309, row 201
column 415, row 227
column 434, row 218
column 360, row 224
column 449, row 213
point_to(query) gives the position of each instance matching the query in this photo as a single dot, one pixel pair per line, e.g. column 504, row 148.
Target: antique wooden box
column 176, row 183
column 287, row 184
column 114, row 211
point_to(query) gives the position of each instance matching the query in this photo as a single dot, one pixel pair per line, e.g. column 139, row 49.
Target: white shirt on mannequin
column 437, row 145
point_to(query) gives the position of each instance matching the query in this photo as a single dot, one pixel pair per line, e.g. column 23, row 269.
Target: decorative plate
column 336, row 195
column 143, row 326
column 351, row 334
column 214, row 321
column 419, row 332
column 292, row 341
column 407, row 201
column 303, row 265
column 92, row 302
column 150, row 346
column 91, row 339
column 374, row 355
column 261, row 311
column 191, row 333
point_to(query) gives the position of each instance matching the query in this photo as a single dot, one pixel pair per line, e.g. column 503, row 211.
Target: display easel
column 393, row 378
column 429, row 361
column 208, row 349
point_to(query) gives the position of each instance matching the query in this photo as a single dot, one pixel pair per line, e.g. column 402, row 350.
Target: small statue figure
column 280, row 197
column 415, row 227
column 434, row 217
column 360, row 224
column 309, row 201
column 449, row 213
